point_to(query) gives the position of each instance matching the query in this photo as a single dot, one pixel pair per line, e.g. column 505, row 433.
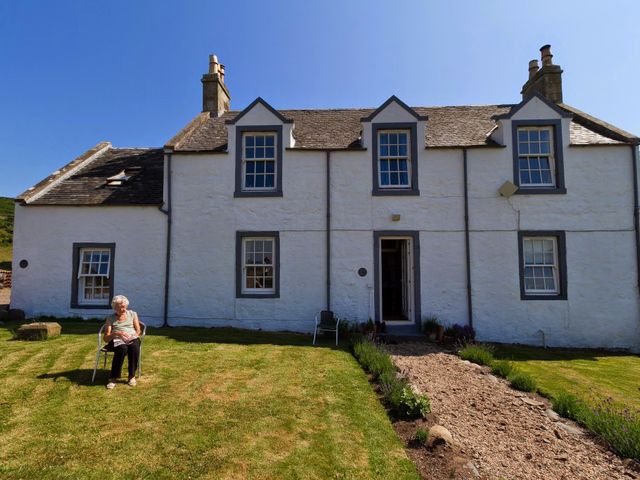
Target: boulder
column 39, row 331
column 438, row 435
column 16, row 315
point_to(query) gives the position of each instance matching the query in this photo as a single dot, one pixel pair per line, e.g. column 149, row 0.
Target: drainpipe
column 328, row 229
column 466, row 237
column 167, row 262
column 636, row 208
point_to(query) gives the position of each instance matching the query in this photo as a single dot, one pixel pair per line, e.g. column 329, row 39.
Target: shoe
column 111, row 385
column 132, row 382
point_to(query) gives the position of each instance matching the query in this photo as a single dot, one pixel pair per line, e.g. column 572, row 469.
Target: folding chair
column 326, row 321
column 103, row 349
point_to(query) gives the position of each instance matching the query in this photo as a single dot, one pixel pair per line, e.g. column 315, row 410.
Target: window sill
column 258, row 193
column 524, row 296
column 381, row 192
column 258, row 295
column 540, row 191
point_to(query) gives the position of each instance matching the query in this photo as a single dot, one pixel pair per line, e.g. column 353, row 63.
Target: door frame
column 414, row 235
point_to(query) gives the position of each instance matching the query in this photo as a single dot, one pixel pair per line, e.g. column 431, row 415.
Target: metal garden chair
column 103, row 349
column 326, row 321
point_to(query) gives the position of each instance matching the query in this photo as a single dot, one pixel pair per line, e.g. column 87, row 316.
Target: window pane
column 259, row 181
column 535, row 177
column 384, row 179
column 259, row 152
column 528, row 252
column 523, row 148
column 533, row 162
column 544, row 148
column 103, row 268
column 249, row 181
column 259, row 167
column 393, row 178
column 384, row 139
column 393, row 165
column 533, row 135
column 248, row 141
column 546, row 177
column 393, row 150
column 525, row 178
column 269, row 181
column 269, row 152
column 260, row 141
column 402, row 150
column 402, row 138
column 384, row 151
column 523, row 136
column 249, row 153
column 523, row 164
column 529, row 284
column 270, row 141
column 393, row 138
column 251, row 167
column 384, row 165
column 537, row 252
column 404, row 179
column 402, row 165
column 544, row 135
column 270, row 167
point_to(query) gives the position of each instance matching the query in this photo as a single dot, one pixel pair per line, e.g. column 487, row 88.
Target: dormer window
column 537, row 157
column 259, row 161
column 394, row 162
column 395, row 159
column 536, row 164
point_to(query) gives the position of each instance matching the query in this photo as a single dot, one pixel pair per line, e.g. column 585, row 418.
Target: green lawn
column 5, row 257
column 588, row 374
column 212, row 403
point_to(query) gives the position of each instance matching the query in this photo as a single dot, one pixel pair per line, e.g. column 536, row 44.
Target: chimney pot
column 533, row 68
column 545, row 55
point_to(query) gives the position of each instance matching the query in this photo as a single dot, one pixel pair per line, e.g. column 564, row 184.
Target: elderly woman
column 122, row 332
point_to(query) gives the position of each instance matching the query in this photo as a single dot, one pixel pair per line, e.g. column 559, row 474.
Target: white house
column 521, row 219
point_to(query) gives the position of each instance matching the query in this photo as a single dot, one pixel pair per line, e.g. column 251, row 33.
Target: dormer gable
column 259, row 112
column 393, row 110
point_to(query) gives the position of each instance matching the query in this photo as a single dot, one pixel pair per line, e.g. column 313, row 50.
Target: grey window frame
column 74, row 275
column 562, row 263
column 413, row 190
column 556, row 126
column 277, row 191
column 240, row 236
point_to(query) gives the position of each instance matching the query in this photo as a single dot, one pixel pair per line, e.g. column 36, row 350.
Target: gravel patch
column 508, row 434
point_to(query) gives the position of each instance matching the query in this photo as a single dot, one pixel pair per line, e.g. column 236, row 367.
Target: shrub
column 479, row 354
column 430, row 325
column 618, row 426
column 372, row 358
column 502, row 368
column 568, row 406
column 422, row 436
column 522, row 381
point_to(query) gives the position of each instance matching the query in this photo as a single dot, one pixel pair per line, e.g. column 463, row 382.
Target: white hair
column 119, row 299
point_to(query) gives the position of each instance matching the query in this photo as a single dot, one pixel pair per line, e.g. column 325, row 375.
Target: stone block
column 39, row 331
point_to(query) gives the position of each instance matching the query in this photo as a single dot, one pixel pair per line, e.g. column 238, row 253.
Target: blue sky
column 76, row 73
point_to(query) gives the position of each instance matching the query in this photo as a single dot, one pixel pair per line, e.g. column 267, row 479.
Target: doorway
column 397, row 294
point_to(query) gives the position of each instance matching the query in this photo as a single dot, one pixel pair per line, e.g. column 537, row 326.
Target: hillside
column 6, row 231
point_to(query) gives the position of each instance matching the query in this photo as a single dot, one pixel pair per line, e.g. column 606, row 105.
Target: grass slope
column 587, row 374
column 212, row 403
column 6, row 232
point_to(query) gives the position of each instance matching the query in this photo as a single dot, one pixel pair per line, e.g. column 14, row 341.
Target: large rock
column 438, row 435
column 39, row 331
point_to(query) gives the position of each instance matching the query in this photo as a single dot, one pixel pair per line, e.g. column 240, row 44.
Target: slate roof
column 87, row 185
column 83, row 181
column 447, row 127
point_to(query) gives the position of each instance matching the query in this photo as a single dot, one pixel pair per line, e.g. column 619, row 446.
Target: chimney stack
column 215, row 96
column 533, row 68
column 547, row 81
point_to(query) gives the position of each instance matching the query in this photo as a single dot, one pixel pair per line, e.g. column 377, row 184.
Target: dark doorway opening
column 393, row 260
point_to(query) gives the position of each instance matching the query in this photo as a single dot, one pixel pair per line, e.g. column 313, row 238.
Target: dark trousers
column 131, row 351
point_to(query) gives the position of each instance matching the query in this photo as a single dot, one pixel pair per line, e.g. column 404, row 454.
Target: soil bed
column 503, row 432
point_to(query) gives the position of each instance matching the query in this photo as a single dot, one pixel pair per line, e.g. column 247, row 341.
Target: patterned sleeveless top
column 125, row 325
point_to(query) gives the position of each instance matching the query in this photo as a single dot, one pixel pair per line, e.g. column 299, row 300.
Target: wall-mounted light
column 395, row 217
